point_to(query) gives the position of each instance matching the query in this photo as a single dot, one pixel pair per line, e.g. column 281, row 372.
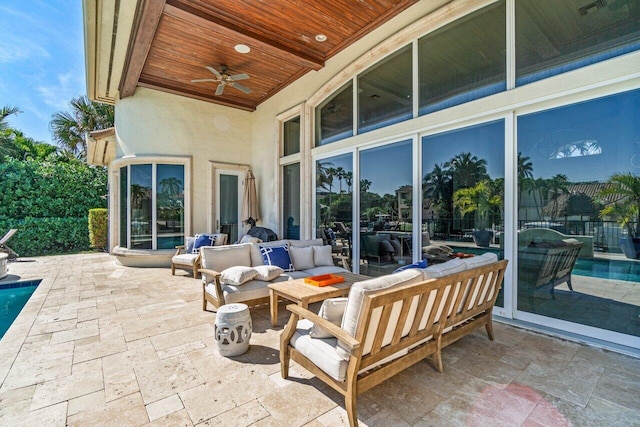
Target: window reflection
column 140, row 202
column 170, row 206
column 386, row 216
column 334, row 206
column 334, row 117
column 291, row 200
column 570, row 200
column 463, row 193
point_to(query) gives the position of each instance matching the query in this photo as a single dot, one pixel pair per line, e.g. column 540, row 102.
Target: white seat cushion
column 325, row 269
column 184, row 259
column 296, row 274
column 321, row 351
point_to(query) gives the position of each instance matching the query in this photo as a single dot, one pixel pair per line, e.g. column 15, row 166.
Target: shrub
column 98, row 228
column 46, row 236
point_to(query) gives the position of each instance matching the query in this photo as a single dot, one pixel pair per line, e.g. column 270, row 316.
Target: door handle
column 217, row 225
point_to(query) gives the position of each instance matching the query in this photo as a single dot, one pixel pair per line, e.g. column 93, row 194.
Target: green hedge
column 98, row 219
column 46, row 236
column 49, row 202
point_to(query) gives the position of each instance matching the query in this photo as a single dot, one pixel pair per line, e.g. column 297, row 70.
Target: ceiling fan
column 224, row 79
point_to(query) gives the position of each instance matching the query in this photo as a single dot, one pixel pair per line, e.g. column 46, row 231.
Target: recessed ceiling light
column 242, row 48
column 321, row 38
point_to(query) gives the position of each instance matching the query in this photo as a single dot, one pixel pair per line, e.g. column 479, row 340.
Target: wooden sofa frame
column 548, row 264
column 218, row 300
column 466, row 300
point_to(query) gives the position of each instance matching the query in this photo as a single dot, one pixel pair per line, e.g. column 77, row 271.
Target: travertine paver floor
column 103, row 344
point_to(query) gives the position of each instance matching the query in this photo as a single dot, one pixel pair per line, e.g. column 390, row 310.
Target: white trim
column 211, row 187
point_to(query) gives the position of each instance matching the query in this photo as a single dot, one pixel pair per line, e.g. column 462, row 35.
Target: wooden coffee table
column 304, row 294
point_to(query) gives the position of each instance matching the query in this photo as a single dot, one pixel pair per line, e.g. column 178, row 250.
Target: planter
column 482, row 238
column 630, row 247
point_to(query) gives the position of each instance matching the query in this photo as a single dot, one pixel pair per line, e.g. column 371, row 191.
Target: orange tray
column 324, row 280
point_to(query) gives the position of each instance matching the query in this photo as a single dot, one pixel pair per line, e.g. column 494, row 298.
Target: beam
column 168, row 88
column 194, row 16
column 144, row 29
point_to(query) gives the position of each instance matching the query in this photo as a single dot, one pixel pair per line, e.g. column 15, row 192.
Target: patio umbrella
column 250, row 212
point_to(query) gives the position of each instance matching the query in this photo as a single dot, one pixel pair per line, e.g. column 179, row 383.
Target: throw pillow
column 302, row 258
column 237, row 275
column 322, row 255
column 332, row 309
column 419, row 264
column 267, row 273
column 203, row 240
column 189, row 242
column 277, row 255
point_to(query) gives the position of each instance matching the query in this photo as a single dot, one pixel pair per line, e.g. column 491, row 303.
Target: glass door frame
column 215, row 170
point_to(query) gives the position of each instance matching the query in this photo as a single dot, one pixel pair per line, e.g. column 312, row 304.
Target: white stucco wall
column 153, row 123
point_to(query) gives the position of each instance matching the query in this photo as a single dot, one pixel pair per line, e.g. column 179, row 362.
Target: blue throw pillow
column 203, row 240
column 419, row 264
column 277, row 255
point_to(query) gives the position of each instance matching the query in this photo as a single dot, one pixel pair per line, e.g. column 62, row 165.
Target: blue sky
column 41, row 61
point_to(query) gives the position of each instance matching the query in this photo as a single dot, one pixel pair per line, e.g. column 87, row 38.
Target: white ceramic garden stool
column 233, row 329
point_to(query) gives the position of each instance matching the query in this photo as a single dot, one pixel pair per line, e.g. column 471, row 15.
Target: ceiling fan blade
column 203, row 80
column 242, row 76
column 214, row 71
column 241, row 88
column 219, row 89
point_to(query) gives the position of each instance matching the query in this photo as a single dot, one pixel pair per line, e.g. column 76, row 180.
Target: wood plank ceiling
column 174, row 40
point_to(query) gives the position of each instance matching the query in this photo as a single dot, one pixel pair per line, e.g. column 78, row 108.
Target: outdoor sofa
column 390, row 323
column 242, row 272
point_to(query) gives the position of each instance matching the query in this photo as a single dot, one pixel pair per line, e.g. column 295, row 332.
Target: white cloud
column 16, row 50
column 69, row 86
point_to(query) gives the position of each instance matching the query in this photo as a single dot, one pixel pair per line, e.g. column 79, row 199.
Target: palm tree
column 6, row 112
column 348, row 179
column 557, row 186
column 340, row 175
column 625, row 187
column 71, row 128
column 525, row 176
column 467, row 170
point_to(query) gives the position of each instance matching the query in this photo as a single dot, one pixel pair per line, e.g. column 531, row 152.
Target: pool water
column 13, row 297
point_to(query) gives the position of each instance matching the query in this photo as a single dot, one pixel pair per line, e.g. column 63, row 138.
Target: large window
column 385, row 92
column 579, row 185
column 386, row 216
column 334, row 205
column 291, row 136
column 464, row 60
column 291, row 200
column 152, row 206
column 554, row 37
column 334, row 117
column 463, row 191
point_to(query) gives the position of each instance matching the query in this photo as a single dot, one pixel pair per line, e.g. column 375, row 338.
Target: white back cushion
column 480, row 260
column 220, row 258
column 444, row 269
column 305, row 243
column 256, row 256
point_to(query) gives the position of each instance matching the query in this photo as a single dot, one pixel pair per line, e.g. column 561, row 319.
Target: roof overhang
column 101, row 147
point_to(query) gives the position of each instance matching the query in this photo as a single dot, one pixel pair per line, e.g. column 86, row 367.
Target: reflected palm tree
column 171, row 186
column 557, row 186
column 467, row 170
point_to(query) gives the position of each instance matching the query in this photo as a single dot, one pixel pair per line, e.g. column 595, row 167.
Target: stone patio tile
column 544, row 351
column 575, row 384
column 126, row 411
column 181, row 349
column 86, row 402
column 166, row 377
column 182, row 336
column 240, row 416
column 206, row 401
column 31, row 367
column 85, row 378
column 620, row 387
column 51, row 416
column 118, row 369
column 307, row 405
column 82, row 330
column 96, row 350
column 486, row 368
column 174, row 419
column 163, row 407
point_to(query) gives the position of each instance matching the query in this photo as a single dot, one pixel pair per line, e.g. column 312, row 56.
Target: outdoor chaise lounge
column 3, row 244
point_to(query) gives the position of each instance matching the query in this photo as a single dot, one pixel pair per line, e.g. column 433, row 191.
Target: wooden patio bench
column 390, row 323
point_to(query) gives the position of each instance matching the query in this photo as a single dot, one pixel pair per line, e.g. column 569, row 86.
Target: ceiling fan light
column 321, row 38
column 242, row 48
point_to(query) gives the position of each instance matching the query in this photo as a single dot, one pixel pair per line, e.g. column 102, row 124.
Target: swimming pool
column 14, row 296
column 628, row 270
